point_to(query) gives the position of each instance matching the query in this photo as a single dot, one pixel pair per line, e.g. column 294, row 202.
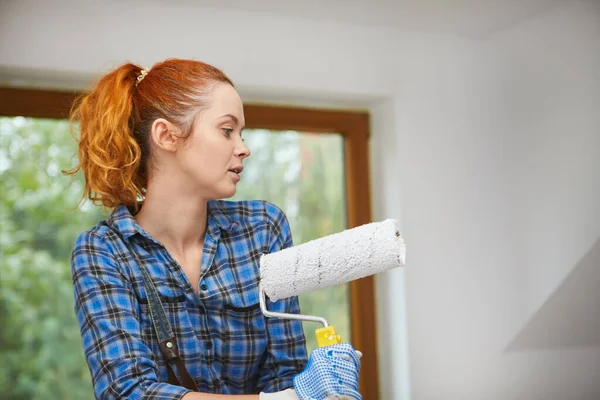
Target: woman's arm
column 288, row 394
column 207, row 396
column 286, row 351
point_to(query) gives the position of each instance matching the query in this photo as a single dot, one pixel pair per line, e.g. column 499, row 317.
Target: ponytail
column 109, row 156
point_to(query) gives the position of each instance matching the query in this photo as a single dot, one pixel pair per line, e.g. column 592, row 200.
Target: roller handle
column 327, row 336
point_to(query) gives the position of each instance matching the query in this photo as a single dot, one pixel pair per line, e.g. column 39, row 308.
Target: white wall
column 548, row 100
column 499, row 156
column 466, row 138
column 264, row 54
column 457, row 289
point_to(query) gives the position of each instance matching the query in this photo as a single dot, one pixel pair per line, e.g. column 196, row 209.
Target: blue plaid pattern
column 228, row 346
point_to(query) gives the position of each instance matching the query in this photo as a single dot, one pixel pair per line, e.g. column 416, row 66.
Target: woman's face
column 211, row 157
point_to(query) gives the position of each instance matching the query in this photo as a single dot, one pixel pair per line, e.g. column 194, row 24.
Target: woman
column 160, row 148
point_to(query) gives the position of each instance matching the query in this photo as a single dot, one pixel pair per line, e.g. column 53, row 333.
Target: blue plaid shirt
column 227, row 344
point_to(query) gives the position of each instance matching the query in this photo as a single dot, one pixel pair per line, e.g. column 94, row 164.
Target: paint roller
column 338, row 258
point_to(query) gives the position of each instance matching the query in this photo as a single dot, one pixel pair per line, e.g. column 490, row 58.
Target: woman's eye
column 228, row 131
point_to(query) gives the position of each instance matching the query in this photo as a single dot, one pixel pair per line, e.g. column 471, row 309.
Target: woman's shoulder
column 97, row 237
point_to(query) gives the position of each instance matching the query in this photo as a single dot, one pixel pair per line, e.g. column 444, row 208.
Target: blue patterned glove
column 331, row 371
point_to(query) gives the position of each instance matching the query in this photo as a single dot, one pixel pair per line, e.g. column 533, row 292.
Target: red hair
column 115, row 120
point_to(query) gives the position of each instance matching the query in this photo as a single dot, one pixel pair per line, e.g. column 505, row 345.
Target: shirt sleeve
column 286, row 351
column 121, row 365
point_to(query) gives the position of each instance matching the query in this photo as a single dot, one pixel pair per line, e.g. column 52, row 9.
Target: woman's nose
column 242, row 150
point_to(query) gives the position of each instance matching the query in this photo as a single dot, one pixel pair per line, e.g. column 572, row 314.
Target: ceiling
column 467, row 18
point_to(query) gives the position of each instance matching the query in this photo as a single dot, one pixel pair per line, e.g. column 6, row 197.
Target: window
column 318, row 174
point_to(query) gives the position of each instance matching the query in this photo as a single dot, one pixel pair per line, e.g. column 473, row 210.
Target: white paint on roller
column 331, row 260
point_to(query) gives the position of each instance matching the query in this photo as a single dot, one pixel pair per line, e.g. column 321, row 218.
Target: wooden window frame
column 353, row 126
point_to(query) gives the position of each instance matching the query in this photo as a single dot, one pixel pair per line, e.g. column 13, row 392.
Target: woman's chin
column 228, row 193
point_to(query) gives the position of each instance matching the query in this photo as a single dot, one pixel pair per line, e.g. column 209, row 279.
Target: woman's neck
column 177, row 221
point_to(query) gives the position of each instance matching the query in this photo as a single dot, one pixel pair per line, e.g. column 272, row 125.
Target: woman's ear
column 165, row 135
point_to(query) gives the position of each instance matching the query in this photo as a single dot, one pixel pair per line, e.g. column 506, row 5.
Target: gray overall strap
column 162, row 328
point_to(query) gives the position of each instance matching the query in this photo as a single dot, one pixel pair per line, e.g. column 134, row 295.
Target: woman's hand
column 331, row 372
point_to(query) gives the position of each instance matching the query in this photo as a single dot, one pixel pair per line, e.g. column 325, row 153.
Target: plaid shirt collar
column 122, row 220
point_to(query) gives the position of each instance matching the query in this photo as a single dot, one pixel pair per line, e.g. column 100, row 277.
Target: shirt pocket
column 244, row 343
